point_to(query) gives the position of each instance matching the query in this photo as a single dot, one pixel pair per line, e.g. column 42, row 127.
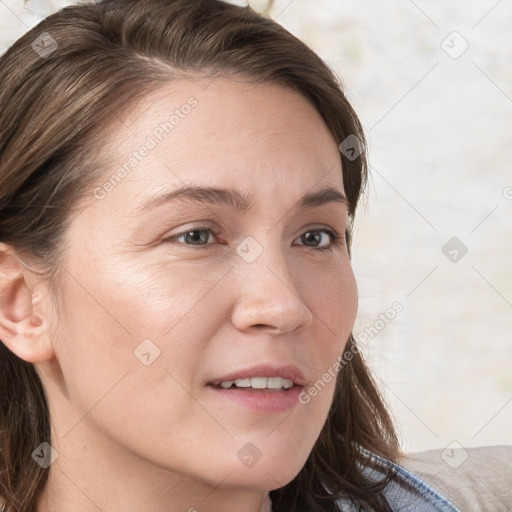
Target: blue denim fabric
column 406, row 492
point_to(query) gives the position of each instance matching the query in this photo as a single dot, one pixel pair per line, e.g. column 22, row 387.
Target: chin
column 260, row 477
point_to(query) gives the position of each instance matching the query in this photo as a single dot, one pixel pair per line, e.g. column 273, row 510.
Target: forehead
column 222, row 132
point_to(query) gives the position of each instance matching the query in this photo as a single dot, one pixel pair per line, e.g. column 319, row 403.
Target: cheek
column 162, row 297
column 144, row 320
column 334, row 303
column 130, row 350
column 338, row 310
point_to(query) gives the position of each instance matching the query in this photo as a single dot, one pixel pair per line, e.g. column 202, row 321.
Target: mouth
column 261, row 389
column 262, row 376
column 268, row 384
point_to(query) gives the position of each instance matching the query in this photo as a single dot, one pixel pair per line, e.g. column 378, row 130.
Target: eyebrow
column 238, row 200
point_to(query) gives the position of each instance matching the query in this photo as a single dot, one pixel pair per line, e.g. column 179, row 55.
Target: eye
column 334, row 239
column 199, row 236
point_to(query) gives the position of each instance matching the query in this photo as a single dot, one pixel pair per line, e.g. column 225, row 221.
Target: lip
column 290, row 372
column 261, row 401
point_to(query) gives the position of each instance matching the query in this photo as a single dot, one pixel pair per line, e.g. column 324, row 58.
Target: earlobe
column 22, row 329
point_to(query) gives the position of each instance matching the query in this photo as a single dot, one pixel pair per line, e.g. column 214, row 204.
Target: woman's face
column 161, row 301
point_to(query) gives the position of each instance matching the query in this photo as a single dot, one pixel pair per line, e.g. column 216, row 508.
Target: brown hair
column 55, row 104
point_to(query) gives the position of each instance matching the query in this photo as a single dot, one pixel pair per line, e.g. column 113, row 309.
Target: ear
column 23, row 318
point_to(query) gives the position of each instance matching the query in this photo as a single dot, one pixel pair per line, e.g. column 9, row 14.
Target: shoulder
column 473, row 479
column 402, row 489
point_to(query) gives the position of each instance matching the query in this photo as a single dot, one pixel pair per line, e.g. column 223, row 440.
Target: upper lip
column 290, row 372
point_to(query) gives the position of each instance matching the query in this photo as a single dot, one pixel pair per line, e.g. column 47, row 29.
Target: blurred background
column 432, row 84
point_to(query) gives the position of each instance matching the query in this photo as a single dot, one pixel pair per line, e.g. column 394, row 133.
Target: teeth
column 243, row 383
column 259, row 383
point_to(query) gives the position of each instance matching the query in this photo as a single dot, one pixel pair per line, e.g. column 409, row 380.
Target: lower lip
column 260, row 400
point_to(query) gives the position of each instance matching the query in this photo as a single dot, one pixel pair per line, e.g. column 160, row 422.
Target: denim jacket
column 406, row 492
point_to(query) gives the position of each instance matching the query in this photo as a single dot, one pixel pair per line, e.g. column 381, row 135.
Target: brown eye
column 314, row 236
column 198, row 237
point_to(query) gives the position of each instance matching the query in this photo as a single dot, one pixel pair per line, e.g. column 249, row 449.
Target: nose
column 269, row 296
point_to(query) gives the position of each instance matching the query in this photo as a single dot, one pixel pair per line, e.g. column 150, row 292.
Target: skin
column 133, row 437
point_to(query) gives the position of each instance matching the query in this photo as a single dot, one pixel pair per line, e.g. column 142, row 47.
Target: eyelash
column 336, row 240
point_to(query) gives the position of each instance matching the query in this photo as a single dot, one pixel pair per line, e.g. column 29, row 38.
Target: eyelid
column 197, row 225
column 337, row 239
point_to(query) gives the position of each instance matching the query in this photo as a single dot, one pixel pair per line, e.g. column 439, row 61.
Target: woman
column 178, row 184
